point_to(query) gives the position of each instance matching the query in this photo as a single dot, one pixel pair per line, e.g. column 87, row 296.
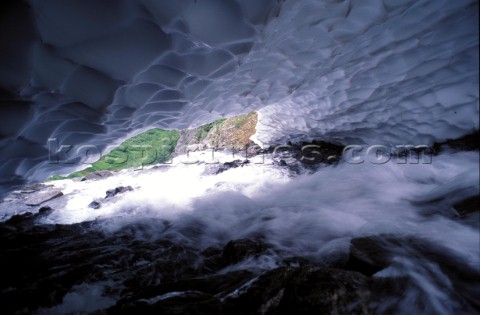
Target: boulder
column 45, row 210
column 40, row 197
column 19, row 219
column 117, row 190
column 233, row 164
column 94, row 205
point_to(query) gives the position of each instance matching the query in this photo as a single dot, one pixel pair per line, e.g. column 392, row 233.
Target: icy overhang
column 94, row 72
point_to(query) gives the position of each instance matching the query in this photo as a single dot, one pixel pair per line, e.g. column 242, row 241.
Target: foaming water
column 301, row 214
column 313, row 216
column 167, row 193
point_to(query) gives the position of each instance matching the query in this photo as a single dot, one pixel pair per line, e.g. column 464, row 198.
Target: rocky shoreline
column 41, row 264
column 142, row 269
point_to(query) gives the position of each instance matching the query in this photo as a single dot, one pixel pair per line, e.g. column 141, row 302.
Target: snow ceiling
column 366, row 71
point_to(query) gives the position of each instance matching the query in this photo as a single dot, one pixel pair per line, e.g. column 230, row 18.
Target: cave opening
column 239, row 157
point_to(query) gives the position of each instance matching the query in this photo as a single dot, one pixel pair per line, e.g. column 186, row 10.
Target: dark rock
column 253, row 149
column 210, row 285
column 27, row 220
column 319, row 151
column 316, row 290
column 233, row 252
column 118, row 190
column 229, row 165
column 45, row 210
column 97, row 175
column 468, row 206
column 309, row 156
column 18, row 219
column 268, row 287
column 369, row 255
column 110, row 193
column 148, row 275
column 373, row 253
column 470, row 142
column 175, row 303
column 237, row 250
column 94, row 205
column 297, row 262
column 304, row 290
column 37, row 273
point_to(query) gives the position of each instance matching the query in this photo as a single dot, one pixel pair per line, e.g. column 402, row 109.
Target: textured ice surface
column 94, row 72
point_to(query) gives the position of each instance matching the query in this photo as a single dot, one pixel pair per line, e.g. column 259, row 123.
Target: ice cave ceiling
column 97, row 71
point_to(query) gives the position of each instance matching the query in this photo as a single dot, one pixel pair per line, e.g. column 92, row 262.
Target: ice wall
column 97, row 71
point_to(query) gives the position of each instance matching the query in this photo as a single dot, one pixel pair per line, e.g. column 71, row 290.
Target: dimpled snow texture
column 98, row 71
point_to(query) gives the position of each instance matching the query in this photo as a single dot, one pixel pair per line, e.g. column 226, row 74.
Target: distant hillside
column 223, row 134
column 233, row 132
column 134, row 153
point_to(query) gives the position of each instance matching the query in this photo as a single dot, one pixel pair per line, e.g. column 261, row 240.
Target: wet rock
column 233, row 252
column 304, row 290
column 94, row 205
column 45, row 210
column 306, row 156
column 35, row 187
column 311, row 153
column 212, row 260
column 40, row 197
column 371, row 254
column 27, row 219
column 97, row 175
column 119, row 190
column 253, row 149
column 229, row 165
column 40, row 263
column 19, row 219
column 297, row 261
column 237, row 250
column 147, row 275
column 175, row 303
column 217, row 285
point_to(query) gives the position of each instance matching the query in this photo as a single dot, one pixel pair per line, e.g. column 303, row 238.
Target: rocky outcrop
column 371, row 254
column 24, row 200
column 226, row 134
column 143, row 274
column 94, row 205
column 41, row 197
column 118, row 190
column 109, row 194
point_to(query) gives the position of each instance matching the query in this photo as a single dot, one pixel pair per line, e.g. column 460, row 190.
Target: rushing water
column 312, row 215
column 299, row 214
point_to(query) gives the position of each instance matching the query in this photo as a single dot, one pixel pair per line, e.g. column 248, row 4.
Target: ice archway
column 350, row 71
